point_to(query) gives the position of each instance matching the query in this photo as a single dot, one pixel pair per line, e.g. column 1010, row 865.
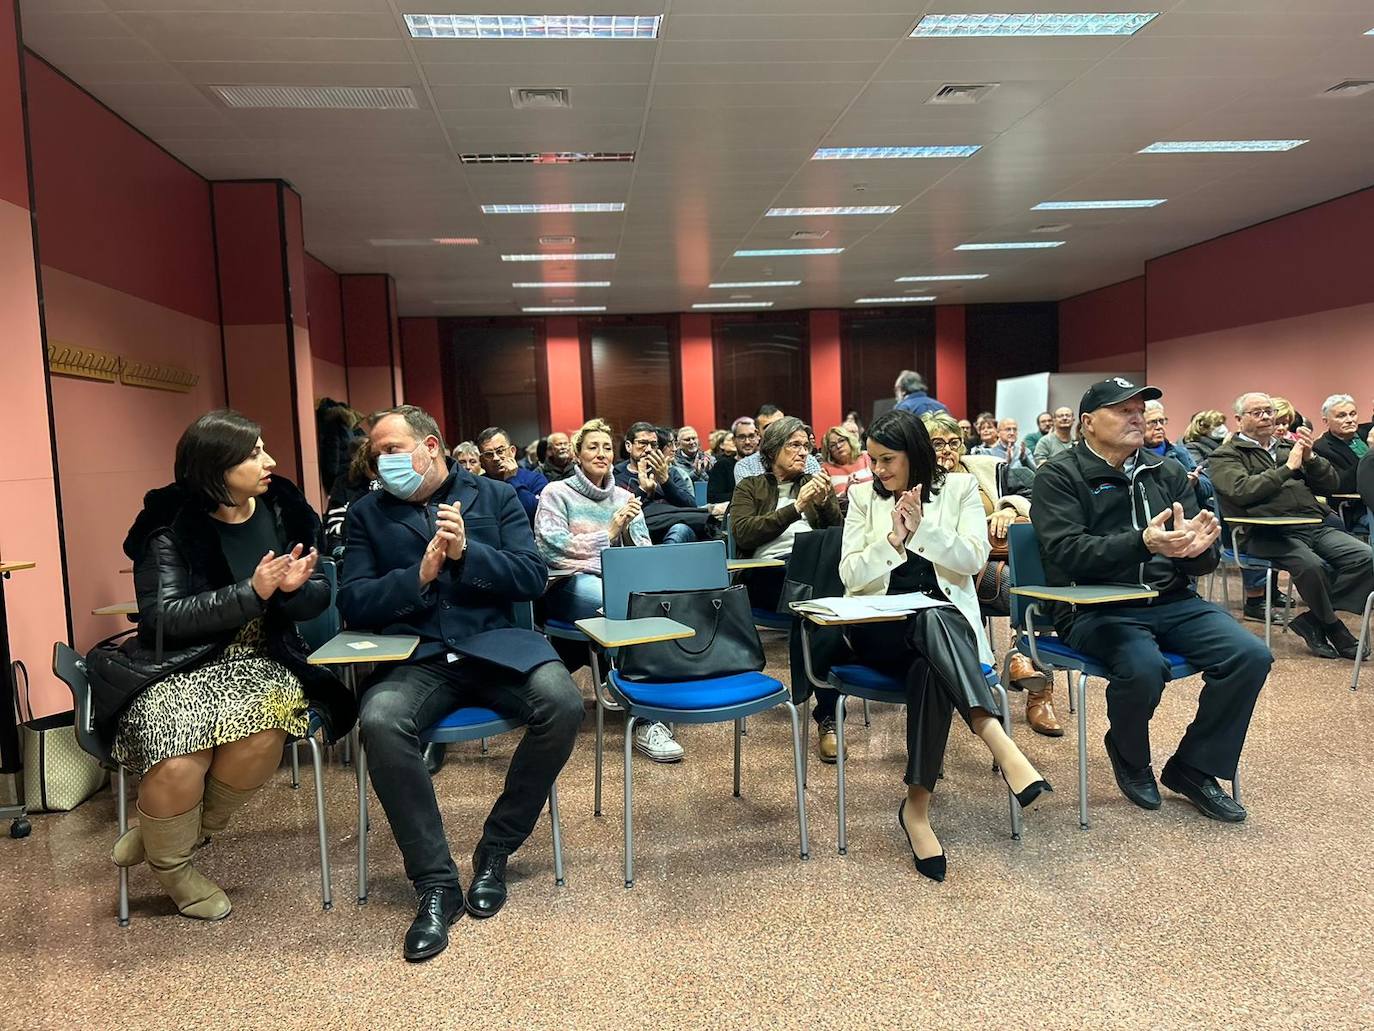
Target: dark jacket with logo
column 1250, row 483
column 1090, row 518
column 1344, row 460
column 467, row 609
column 190, row 607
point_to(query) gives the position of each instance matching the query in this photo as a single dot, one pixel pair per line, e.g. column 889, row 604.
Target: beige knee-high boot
column 221, row 802
column 169, row 844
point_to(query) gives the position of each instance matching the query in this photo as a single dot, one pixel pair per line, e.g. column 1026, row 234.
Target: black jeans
column 401, row 701
column 764, row 587
column 936, row 651
column 1331, row 569
column 1127, row 639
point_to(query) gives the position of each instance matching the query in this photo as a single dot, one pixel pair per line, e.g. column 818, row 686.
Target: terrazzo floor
column 1147, row 920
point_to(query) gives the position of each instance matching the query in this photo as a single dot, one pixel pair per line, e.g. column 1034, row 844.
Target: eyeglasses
column 650, row 442
column 496, row 453
column 746, row 436
column 796, row 446
column 1156, row 422
column 1259, row 413
column 945, row 443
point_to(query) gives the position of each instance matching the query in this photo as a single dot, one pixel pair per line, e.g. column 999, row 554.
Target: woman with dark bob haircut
column 202, row 699
column 918, row 529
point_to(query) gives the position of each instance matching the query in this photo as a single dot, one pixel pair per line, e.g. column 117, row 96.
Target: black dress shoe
column 435, row 754
column 1311, row 633
column 428, row 934
column 1344, row 641
column 1254, row 611
column 1203, row 791
column 1137, row 785
column 932, row 867
column 487, row 892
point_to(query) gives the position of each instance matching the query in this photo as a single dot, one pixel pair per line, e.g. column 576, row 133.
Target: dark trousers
column 1331, row 569
column 765, row 591
column 1127, row 639
column 401, row 701
column 937, row 652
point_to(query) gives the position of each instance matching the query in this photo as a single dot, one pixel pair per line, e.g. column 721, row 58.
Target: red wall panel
column 563, row 347
column 826, row 406
column 325, row 311
column 1100, row 328
column 420, row 363
column 951, row 368
column 366, row 324
column 697, row 375
column 14, row 169
column 248, row 230
column 113, row 207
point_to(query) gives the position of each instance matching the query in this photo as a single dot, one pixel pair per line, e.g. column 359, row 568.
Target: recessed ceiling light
column 1018, row 245
column 1093, row 205
column 875, row 153
column 456, row 241
column 1219, row 146
column 755, row 284
column 783, row 252
column 941, row 279
column 427, row 241
column 557, row 241
column 548, row 209
column 563, row 285
column 904, row 299
column 1033, row 24
column 558, row 257
column 869, row 209
column 735, row 304
column 532, row 26
column 554, row 157
column 563, row 309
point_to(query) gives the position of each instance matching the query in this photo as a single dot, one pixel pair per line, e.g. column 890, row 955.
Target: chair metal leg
column 122, row 810
column 868, row 722
column 600, row 754
column 484, row 746
column 360, row 762
column 798, row 753
column 1268, row 608
column 317, row 759
column 558, row 878
column 1015, row 816
column 1226, row 587
column 744, row 726
column 842, row 837
column 294, row 748
column 1235, row 787
column 739, row 731
column 1073, row 703
column 629, row 803
column 1363, row 646
column 1077, row 682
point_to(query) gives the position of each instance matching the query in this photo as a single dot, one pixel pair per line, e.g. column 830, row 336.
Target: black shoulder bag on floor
column 725, row 643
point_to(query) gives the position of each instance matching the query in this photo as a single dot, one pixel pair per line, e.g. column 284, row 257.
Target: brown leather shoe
column 1023, row 674
column 1040, row 712
column 827, row 744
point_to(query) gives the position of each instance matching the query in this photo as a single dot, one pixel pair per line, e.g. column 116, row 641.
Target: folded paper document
column 866, row 608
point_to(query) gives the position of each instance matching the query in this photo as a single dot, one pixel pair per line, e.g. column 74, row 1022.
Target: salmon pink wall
column 1103, row 330
column 698, row 377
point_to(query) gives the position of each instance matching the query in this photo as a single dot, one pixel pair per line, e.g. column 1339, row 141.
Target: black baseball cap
column 1112, row 392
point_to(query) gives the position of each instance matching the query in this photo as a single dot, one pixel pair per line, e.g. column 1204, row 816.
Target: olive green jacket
column 1250, row 483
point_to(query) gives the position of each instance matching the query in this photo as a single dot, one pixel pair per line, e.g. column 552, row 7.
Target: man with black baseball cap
column 1109, row 511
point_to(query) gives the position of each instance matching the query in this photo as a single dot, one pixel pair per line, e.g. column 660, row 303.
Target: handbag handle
column 17, row 667
column 716, row 604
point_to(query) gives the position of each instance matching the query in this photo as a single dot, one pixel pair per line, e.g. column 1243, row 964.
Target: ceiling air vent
column 810, row 234
column 540, row 97
column 558, row 241
column 962, row 92
column 319, row 98
column 1349, row 88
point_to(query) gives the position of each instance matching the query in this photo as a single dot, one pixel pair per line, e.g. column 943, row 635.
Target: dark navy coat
column 467, row 609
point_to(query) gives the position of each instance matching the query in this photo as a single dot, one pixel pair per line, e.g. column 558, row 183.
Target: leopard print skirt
column 239, row 694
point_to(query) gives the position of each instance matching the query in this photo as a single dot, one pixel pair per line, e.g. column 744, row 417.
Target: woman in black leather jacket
column 203, row 699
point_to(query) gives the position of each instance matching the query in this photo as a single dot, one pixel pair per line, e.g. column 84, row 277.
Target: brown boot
column 221, row 802
column 169, row 844
column 1040, row 712
column 1023, row 674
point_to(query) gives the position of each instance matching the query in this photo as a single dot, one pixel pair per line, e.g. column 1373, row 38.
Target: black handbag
column 726, row 641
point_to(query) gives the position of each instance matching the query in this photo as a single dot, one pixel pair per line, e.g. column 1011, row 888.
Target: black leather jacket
column 190, row 607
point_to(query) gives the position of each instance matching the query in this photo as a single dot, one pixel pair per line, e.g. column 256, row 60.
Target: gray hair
column 909, row 382
column 1240, row 401
column 734, row 426
column 1154, row 405
column 421, row 423
column 776, row 436
column 467, row 447
column 1334, row 400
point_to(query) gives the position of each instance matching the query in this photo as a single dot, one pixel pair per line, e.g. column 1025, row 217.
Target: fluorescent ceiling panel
column 735, row 304
column 865, row 209
column 1219, row 146
column 754, row 285
column 532, row 26
column 1060, row 24
column 1094, row 205
column 562, row 285
column 882, row 153
column 786, row 252
column 548, row 209
column 1017, row 245
column 427, row 241
column 555, row 157
column 941, row 279
column 558, row 257
column 543, row 310
column 907, row 299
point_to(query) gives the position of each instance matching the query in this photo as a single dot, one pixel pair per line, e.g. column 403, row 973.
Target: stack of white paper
column 868, row 607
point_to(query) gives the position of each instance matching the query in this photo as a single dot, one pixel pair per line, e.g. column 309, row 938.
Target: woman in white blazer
column 917, row 529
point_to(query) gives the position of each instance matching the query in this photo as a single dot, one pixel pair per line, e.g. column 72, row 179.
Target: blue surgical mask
column 398, row 474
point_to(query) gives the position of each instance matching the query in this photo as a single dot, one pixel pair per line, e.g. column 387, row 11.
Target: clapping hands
column 907, row 514
column 1188, row 539
column 287, row 572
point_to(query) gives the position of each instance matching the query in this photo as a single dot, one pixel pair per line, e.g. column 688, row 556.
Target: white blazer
column 953, row 536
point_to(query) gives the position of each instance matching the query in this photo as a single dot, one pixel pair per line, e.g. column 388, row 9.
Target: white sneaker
column 656, row 741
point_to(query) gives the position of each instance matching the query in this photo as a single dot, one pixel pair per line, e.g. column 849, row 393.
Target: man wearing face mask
column 442, row 554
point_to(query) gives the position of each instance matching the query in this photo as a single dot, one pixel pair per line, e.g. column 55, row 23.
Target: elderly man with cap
column 1111, row 511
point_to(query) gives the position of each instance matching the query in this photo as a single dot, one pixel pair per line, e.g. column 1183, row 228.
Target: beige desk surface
column 734, row 565
column 123, row 608
column 352, row 646
column 621, row 633
column 1087, row 595
column 822, row 620
column 15, row 566
column 1347, row 497
column 1274, row 521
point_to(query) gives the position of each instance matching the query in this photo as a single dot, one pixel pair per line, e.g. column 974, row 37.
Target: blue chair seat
column 1053, row 648
column 468, row 723
column 865, row 678
column 711, row 693
column 769, row 618
column 562, row 628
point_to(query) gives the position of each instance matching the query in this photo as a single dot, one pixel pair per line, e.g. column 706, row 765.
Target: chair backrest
column 1025, row 566
column 522, row 614
column 730, row 551
column 322, row 628
column 699, row 489
column 70, row 668
column 663, row 567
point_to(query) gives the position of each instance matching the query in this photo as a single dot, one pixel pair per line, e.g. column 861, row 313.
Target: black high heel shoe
column 1030, row 792
column 934, row 866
